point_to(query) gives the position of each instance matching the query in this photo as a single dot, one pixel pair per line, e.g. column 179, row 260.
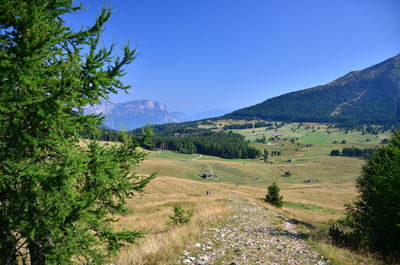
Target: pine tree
column 273, row 196
column 57, row 198
column 373, row 219
column 266, row 154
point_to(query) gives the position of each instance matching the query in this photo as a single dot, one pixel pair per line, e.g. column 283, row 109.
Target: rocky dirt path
column 252, row 235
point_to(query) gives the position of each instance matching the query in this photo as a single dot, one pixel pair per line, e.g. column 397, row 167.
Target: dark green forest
column 225, row 145
column 248, row 125
column 354, row 152
column 189, row 140
column 370, row 96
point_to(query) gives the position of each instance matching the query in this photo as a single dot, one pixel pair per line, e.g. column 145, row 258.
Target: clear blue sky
column 213, row 54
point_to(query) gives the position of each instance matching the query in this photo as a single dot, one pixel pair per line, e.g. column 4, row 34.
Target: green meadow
column 307, row 157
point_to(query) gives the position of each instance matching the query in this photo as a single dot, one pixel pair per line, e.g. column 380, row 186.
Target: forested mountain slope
column 371, row 95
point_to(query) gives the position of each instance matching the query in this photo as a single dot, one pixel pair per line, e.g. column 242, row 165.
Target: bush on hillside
column 287, row 174
column 180, row 216
column 335, row 152
column 273, row 197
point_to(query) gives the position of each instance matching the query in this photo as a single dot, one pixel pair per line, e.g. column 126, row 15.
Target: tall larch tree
column 58, row 199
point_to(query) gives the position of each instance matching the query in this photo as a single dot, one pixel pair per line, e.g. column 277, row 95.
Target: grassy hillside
column 162, row 243
column 334, row 175
column 371, row 95
column 305, row 157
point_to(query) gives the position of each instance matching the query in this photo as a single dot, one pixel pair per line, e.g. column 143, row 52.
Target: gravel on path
column 251, row 235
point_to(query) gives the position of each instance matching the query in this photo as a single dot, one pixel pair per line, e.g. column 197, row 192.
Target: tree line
column 225, row 145
column 354, row 152
column 248, row 125
column 200, row 141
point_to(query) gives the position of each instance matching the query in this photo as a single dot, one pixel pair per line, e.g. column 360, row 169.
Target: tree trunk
column 7, row 248
column 36, row 255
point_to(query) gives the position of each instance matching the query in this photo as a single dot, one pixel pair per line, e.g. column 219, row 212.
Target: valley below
column 231, row 223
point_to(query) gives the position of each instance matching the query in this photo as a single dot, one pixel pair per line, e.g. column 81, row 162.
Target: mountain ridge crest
column 370, row 95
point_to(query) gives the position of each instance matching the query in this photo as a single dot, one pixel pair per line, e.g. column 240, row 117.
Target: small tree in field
column 273, row 197
column 57, row 198
column 266, row 154
column 180, row 216
column 373, row 221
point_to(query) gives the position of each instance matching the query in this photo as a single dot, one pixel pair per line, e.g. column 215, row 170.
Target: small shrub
column 384, row 141
column 180, row 216
column 287, row 173
column 273, row 197
column 335, row 152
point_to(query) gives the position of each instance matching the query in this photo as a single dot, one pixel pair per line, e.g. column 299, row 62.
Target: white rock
column 204, row 257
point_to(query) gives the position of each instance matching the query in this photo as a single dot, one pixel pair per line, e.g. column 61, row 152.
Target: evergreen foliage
column 287, row 174
column 372, row 92
column 373, row 220
column 335, row 152
column 262, row 140
column 247, row 125
column 266, row 154
column 275, row 153
column 170, row 129
column 273, row 197
column 358, row 152
column 180, row 216
column 354, row 152
column 187, row 138
column 57, row 198
column 225, row 145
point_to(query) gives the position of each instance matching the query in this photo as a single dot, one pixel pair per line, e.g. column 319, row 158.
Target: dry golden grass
column 328, row 195
column 178, row 182
column 85, row 142
column 162, row 243
column 341, row 256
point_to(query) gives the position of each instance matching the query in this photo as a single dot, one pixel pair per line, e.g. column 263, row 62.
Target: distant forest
column 354, row 152
column 225, row 145
column 189, row 139
column 248, row 125
column 313, row 108
column 370, row 96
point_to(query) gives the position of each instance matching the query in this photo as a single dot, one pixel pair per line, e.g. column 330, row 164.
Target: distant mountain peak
column 133, row 114
column 105, row 107
column 138, row 113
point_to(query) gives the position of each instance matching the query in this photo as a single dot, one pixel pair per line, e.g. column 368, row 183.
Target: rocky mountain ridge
column 133, row 114
column 138, row 113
